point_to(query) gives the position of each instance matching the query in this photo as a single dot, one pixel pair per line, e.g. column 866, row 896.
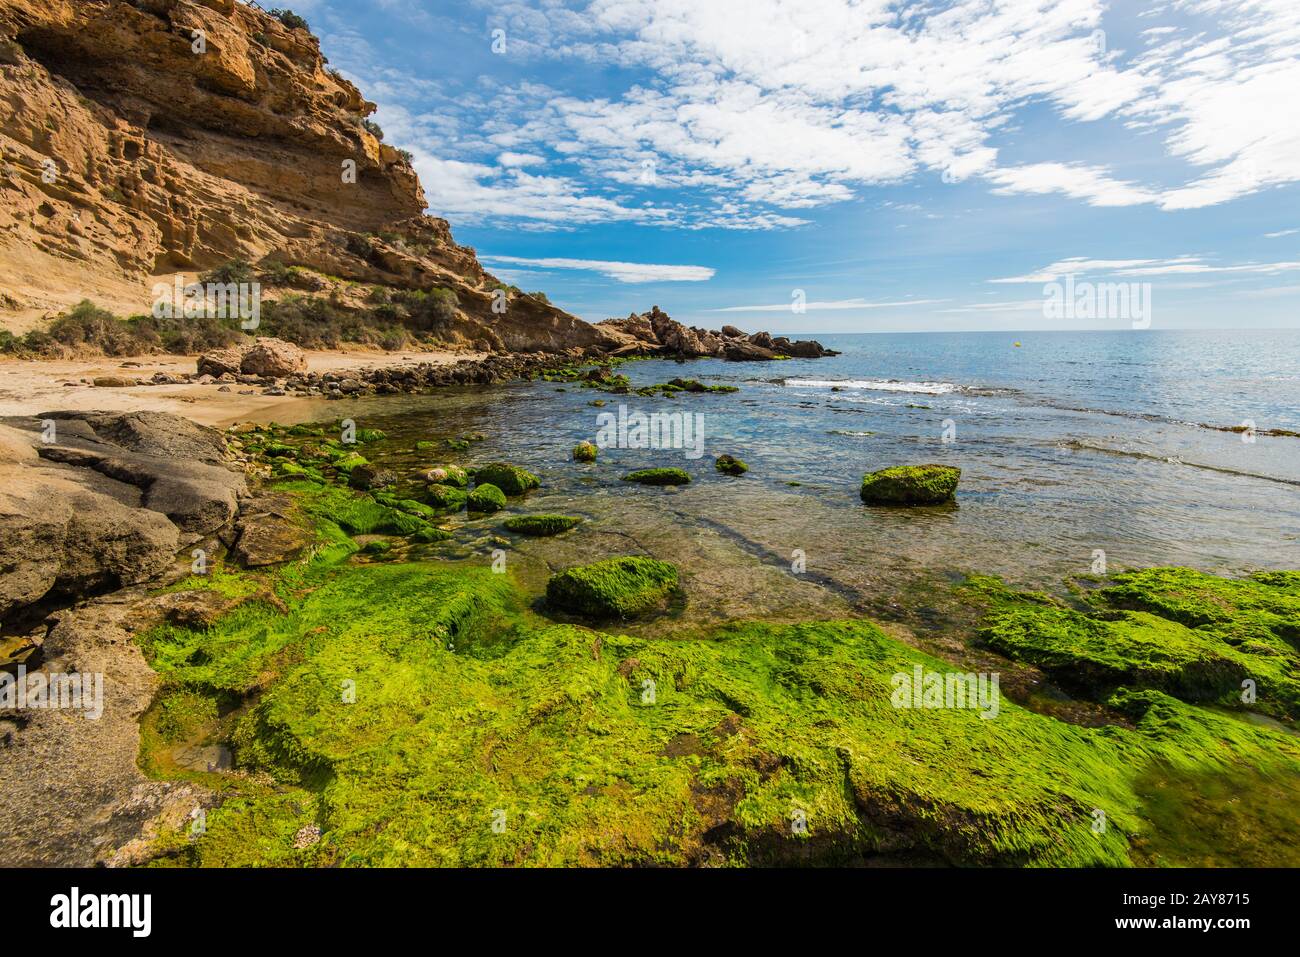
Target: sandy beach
column 30, row 387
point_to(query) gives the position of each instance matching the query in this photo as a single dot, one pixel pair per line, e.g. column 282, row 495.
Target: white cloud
column 520, row 159
column 623, row 272
column 1280, row 233
column 752, row 109
column 1136, row 268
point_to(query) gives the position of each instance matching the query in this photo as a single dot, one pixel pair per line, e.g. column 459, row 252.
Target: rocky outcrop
column 656, row 333
column 145, row 139
column 91, row 502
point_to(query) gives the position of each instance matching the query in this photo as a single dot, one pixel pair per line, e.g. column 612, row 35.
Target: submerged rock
column 663, row 476
column 730, row 465
column 614, row 588
column 911, row 485
column 540, row 525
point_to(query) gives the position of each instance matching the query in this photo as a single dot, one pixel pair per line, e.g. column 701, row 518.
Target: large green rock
column 911, row 485
column 614, row 588
column 486, row 498
column 511, row 479
column 445, row 496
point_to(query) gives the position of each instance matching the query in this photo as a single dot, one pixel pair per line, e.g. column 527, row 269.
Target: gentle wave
column 875, row 385
column 1153, row 417
column 1079, row 445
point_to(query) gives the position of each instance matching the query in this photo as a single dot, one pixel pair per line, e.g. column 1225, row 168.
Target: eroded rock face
column 656, row 332
column 131, row 155
column 90, row 502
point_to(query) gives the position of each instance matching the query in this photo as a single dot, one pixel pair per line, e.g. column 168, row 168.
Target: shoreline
column 30, row 387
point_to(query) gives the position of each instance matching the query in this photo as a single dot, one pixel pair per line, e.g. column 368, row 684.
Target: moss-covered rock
column 540, row 525
column 378, row 547
column 614, row 588
column 452, row 475
column 730, row 465
column 911, row 485
column 401, row 707
column 446, row 497
column 660, row 476
column 511, row 479
column 585, row 452
column 486, row 497
column 1191, row 635
column 347, row 461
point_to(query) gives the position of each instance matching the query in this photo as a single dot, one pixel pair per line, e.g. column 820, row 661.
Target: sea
column 1081, row 453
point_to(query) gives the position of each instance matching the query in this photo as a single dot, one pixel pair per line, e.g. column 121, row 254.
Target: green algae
column 1194, row 636
column 589, row 748
column 910, row 485
column 585, row 452
column 658, row 476
column 540, row 525
column 730, row 465
column 446, row 497
column 420, row 714
column 613, row 588
column 452, row 475
column 486, row 497
column 511, row 479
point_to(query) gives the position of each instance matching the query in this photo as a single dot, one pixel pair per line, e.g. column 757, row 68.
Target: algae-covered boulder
column 445, row 496
column 446, row 475
column 730, row 465
column 911, row 485
column 539, row 525
column 614, row 588
column 585, row 452
column 348, row 461
column 510, row 479
column 658, row 477
column 486, row 498
column 370, row 477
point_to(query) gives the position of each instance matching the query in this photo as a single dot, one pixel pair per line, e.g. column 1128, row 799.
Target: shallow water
column 1068, row 444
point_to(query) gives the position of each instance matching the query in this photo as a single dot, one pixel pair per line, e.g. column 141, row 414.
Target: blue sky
column 902, row 166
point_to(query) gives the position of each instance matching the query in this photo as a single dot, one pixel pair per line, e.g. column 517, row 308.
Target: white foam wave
column 876, row 385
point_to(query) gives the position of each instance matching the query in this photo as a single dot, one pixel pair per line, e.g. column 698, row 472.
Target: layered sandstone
column 149, row 138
